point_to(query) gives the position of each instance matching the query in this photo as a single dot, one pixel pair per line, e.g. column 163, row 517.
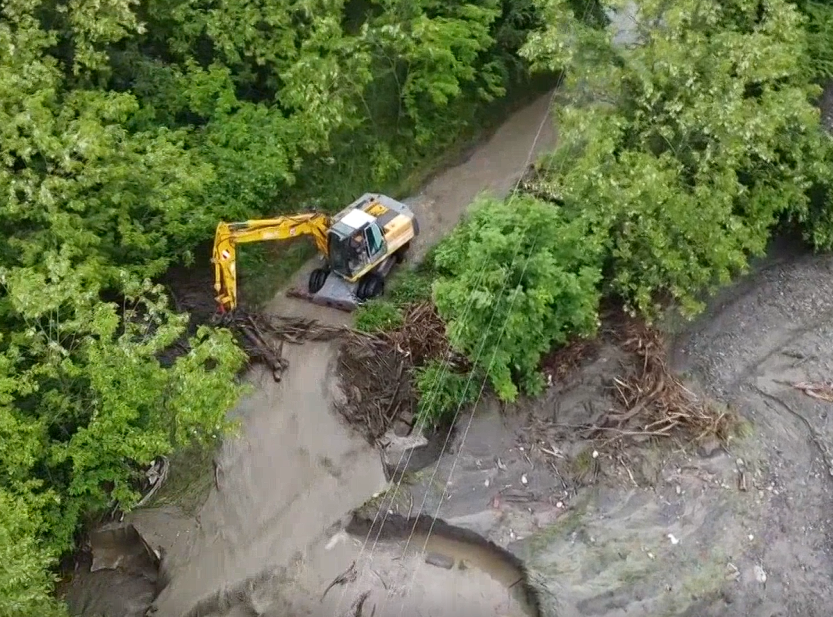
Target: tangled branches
column 380, row 368
column 655, row 401
column 262, row 336
column 376, row 368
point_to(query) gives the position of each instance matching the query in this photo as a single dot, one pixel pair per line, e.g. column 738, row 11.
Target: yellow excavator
column 359, row 245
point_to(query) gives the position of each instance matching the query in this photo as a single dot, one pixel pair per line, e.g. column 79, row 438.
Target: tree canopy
column 682, row 149
column 127, row 129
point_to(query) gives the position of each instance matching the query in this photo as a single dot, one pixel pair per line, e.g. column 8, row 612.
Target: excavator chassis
column 338, row 293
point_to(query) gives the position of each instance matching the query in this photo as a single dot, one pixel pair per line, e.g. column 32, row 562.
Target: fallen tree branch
column 817, row 390
column 348, row 576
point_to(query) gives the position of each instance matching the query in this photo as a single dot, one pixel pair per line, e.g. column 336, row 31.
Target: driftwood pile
column 262, row 337
column 380, row 368
column 376, row 368
column 654, row 400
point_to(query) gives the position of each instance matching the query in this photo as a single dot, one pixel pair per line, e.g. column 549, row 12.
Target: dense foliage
column 819, row 28
column 515, row 279
column 682, row 149
column 127, row 129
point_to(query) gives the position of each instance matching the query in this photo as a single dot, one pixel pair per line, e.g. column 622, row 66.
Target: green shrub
column 410, row 286
column 819, row 29
column 514, row 280
column 378, row 315
column 442, row 391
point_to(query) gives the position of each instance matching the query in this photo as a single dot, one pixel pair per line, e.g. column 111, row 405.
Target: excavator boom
column 229, row 235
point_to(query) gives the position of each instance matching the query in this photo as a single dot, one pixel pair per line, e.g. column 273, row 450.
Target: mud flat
column 654, row 529
column 293, row 472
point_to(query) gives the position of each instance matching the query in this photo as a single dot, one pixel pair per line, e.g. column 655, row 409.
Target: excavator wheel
column 371, row 286
column 401, row 253
column 317, row 278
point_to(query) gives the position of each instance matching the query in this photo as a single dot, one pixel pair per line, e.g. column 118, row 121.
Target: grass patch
column 189, row 481
column 410, row 285
column 442, row 392
column 266, row 267
column 568, row 523
column 378, row 315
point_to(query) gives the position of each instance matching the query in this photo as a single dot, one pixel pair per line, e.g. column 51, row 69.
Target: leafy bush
column 515, row 279
column 378, row 315
column 25, row 581
column 442, row 392
column 819, row 29
column 84, row 400
column 410, row 286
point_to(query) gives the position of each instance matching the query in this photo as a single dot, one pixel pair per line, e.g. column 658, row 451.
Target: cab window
column 374, row 240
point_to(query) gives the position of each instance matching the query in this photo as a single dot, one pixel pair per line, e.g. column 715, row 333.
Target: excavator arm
column 229, row 235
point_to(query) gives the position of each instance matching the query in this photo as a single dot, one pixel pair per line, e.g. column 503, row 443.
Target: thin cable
column 386, row 504
column 515, row 294
column 437, row 385
column 480, row 393
column 475, row 364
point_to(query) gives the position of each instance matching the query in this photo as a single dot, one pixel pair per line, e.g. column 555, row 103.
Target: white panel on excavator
column 356, row 219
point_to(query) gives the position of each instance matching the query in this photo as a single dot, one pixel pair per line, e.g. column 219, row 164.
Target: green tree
column 85, row 398
column 687, row 148
column 25, row 580
column 515, row 279
column 819, row 27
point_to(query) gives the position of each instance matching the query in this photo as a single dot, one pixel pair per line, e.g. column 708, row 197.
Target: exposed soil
column 613, row 528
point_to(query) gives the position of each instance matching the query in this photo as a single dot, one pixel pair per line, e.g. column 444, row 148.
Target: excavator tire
column 371, row 286
column 317, row 278
column 402, row 253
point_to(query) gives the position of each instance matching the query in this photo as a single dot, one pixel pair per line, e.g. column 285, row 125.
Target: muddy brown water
column 441, row 545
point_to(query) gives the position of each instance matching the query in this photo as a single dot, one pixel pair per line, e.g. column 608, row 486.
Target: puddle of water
column 395, row 582
column 433, row 567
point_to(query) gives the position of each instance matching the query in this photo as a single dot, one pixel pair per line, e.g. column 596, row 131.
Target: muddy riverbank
column 652, row 528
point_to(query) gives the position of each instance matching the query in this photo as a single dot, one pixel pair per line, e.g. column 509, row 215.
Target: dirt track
column 494, row 166
column 647, row 531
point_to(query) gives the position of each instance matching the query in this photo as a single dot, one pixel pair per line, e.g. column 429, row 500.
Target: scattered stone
column 760, row 575
column 401, row 429
column 709, row 448
column 439, row 560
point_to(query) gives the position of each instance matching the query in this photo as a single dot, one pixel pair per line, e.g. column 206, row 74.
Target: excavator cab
column 352, row 249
